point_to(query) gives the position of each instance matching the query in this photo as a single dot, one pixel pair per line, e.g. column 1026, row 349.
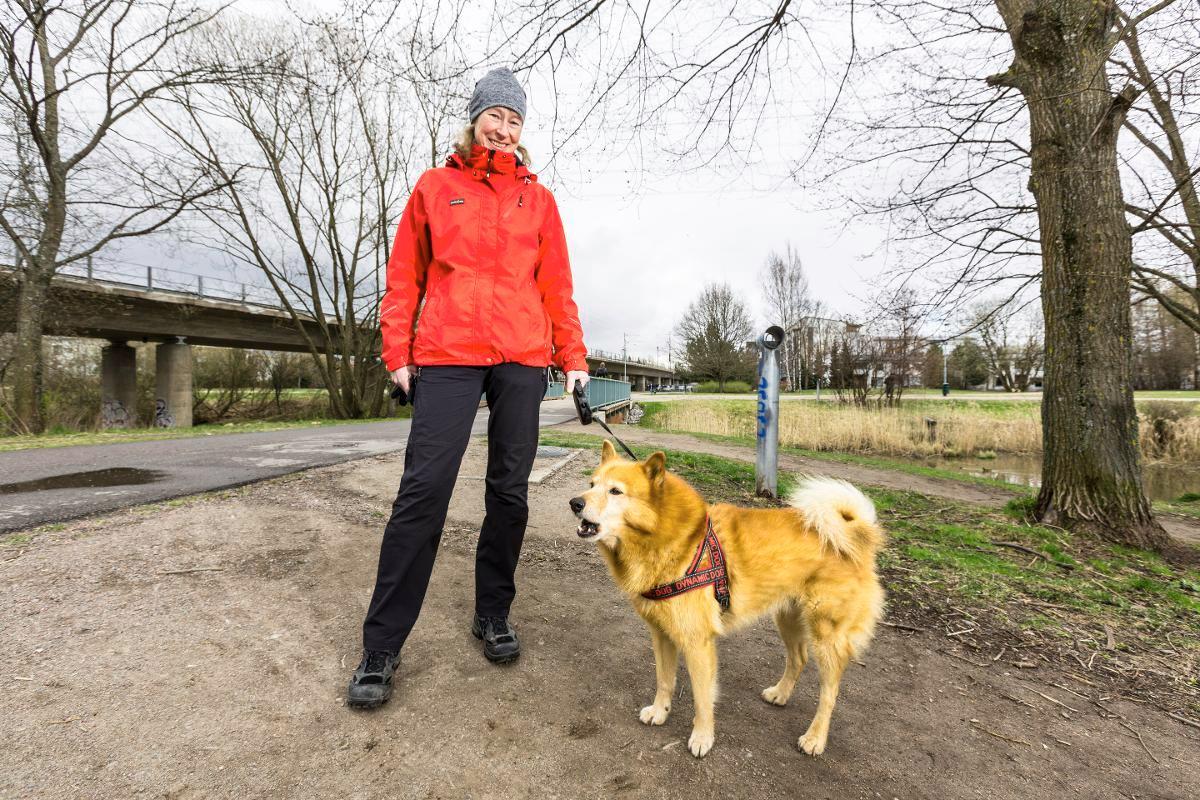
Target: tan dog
column 812, row 566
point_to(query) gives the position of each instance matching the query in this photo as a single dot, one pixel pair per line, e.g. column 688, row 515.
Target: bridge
column 175, row 309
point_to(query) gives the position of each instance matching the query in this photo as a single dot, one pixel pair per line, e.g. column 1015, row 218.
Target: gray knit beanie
column 498, row 88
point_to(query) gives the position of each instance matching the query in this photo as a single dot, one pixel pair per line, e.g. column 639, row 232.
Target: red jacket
column 482, row 243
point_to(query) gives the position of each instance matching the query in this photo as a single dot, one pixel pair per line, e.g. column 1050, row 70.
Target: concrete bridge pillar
column 173, row 385
column 118, row 386
column 640, row 383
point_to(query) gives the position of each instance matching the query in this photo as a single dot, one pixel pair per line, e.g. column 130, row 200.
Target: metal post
column 625, row 357
column 767, row 465
column 945, row 376
column 89, row 260
column 150, row 278
column 200, row 285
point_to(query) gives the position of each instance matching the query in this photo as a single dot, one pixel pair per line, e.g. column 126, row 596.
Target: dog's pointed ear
column 607, row 452
column 655, row 466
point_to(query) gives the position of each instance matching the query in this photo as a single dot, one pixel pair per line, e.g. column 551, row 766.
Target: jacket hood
column 483, row 162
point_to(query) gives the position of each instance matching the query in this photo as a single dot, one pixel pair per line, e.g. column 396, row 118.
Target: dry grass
column 962, row 429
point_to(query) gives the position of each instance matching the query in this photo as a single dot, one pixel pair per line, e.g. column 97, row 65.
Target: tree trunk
column 1091, row 471
column 27, row 356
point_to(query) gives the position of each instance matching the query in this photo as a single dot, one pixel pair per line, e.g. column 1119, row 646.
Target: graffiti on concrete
column 114, row 415
column 163, row 418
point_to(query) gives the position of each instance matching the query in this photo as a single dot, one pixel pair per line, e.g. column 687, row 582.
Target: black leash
column 586, row 418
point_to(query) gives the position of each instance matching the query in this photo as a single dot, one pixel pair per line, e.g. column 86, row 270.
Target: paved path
column 45, row 485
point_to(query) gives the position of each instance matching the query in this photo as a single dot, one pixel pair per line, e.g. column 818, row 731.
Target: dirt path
column 1182, row 528
column 122, row 677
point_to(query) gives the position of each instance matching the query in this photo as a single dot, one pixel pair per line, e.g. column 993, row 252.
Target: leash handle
column 586, row 417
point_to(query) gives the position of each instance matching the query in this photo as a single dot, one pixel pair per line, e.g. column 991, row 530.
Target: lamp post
column 945, row 377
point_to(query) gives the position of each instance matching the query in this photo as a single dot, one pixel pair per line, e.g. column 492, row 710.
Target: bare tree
column 1163, row 199
column 789, row 304
column 76, row 177
column 713, row 334
column 1049, row 122
column 1012, row 344
column 857, row 367
column 1091, row 470
column 315, row 164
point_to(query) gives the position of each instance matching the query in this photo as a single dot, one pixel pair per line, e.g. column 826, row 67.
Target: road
column 60, row 483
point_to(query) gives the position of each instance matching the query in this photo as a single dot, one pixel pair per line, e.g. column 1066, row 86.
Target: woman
column 481, row 243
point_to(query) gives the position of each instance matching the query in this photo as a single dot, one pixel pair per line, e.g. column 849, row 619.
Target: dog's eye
column 614, row 490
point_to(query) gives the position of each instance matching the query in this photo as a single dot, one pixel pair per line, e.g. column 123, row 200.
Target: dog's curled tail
column 842, row 516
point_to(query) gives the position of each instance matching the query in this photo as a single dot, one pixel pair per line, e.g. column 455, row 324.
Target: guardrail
column 165, row 279
column 555, row 390
column 611, row 359
column 603, row 392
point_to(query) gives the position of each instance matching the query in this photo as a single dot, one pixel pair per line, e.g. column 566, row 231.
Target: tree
column 1164, row 203
column 314, row 174
column 789, row 304
column 931, row 366
column 1012, row 345
column 967, row 365
column 901, row 343
column 713, row 334
column 856, row 366
column 77, row 177
column 1091, row 470
column 1049, row 122
column 1164, row 348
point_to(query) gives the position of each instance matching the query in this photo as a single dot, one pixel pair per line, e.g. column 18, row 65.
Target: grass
column 921, row 428
column 58, row 439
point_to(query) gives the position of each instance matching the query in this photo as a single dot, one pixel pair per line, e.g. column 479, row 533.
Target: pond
column 1162, row 481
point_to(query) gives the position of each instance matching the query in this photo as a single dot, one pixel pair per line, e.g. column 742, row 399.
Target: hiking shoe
column 500, row 645
column 371, row 684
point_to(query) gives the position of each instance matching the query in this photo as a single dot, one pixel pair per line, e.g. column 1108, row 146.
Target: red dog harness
column 715, row 573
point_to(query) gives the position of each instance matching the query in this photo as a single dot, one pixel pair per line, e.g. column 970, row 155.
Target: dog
column 812, row 566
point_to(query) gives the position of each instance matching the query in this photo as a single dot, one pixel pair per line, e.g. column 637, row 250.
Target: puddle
column 114, row 476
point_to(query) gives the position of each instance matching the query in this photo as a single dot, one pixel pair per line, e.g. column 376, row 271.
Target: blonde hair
column 467, row 138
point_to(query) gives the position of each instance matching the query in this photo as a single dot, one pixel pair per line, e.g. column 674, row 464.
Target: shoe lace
column 497, row 626
column 377, row 660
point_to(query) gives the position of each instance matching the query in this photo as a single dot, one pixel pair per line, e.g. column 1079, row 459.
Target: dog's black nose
column 577, row 504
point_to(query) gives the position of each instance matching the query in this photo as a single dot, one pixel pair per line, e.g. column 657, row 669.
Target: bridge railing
column 602, row 392
column 555, row 390
column 167, row 279
column 614, row 360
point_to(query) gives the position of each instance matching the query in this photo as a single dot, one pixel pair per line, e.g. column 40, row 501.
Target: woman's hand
column 576, row 375
column 403, row 377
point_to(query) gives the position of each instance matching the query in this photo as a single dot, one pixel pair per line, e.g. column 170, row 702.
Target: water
column 1162, row 481
column 114, row 476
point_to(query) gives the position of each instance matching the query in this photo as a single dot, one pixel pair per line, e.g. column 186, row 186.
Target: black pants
column 446, row 401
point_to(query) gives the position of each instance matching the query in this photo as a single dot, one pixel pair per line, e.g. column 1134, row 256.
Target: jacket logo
column 458, row 201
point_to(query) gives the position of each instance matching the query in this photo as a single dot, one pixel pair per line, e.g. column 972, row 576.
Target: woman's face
column 498, row 128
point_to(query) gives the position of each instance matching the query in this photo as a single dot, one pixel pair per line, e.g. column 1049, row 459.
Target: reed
column 960, row 429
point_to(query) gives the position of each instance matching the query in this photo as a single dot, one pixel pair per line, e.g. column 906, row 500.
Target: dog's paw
column 654, row 715
column 775, row 696
column 700, row 743
column 812, row 744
